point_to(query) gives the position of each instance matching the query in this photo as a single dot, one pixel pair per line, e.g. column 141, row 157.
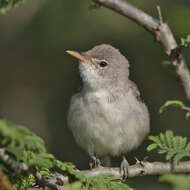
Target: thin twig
column 160, row 30
column 159, row 14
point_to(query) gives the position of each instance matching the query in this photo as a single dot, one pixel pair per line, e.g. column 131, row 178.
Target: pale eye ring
column 103, row 64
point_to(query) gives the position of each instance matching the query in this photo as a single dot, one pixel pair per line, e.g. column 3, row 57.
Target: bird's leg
column 95, row 162
column 124, row 168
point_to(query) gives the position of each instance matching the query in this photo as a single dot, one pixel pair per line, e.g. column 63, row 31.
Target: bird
column 107, row 116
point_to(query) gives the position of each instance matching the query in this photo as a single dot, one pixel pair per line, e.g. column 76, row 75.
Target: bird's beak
column 79, row 56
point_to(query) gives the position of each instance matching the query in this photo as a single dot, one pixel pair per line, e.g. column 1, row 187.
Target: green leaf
column 169, row 137
column 174, row 147
column 179, row 156
column 162, row 151
column 187, row 148
column 34, row 143
column 182, row 143
column 155, row 139
column 16, row 151
column 176, row 143
column 152, row 147
column 44, row 160
column 170, row 154
column 185, row 41
column 162, row 139
column 68, row 169
column 169, row 103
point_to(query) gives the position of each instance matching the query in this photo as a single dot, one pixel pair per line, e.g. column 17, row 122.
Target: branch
column 43, row 182
column 20, row 167
column 160, row 30
column 142, row 169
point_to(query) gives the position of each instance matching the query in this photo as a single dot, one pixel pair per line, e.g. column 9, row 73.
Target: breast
column 108, row 125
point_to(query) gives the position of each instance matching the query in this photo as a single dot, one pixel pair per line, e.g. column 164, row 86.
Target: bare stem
column 159, row 14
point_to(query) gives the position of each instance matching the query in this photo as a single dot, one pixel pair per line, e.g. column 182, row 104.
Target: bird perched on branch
column 107, row 117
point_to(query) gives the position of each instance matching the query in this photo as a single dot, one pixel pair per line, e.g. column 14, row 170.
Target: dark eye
column 103, row 64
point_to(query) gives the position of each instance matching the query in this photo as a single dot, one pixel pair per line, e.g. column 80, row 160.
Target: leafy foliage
column 24, row 146
column 175, row 103
column 100, row 182
column 175, row 147
column 22, row 182
column 6, row 5
column 185, row 41
column 68, row 169
column 178, row 182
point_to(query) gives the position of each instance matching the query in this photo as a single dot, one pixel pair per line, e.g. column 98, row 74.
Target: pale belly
column 108, row 128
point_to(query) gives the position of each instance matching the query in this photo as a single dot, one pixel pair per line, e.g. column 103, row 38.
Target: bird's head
column 102, row 67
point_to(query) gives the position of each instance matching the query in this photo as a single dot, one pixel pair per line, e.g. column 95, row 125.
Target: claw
column 95, row 163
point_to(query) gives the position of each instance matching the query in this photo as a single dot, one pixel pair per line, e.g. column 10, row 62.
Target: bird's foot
column 124, row 168
column 96, row 163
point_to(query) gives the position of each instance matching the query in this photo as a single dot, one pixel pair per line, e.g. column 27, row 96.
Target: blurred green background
column 37, row 78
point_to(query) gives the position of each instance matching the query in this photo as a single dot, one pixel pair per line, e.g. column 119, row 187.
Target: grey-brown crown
column 104, row 51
